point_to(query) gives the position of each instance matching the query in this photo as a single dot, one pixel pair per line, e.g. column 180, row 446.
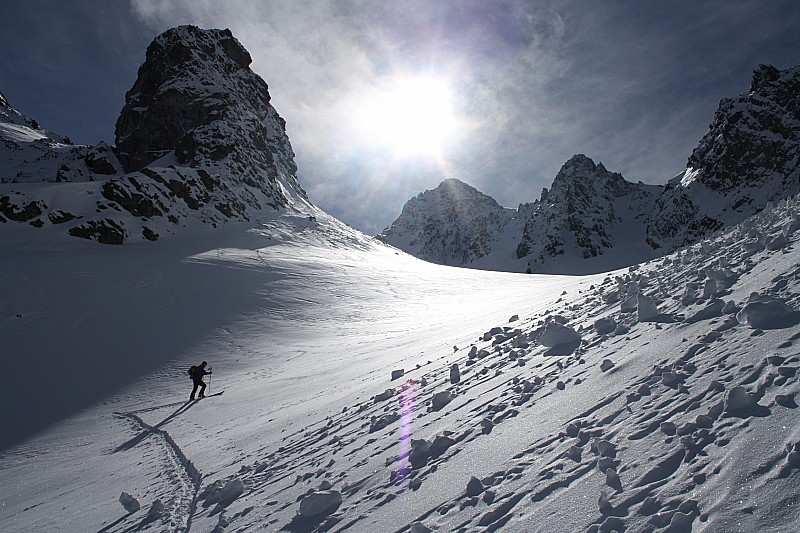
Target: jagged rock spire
column 196, row 97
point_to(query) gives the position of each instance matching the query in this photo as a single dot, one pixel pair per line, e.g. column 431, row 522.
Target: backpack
column 191, row 371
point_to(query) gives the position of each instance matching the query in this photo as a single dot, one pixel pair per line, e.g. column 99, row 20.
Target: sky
column 385, row 99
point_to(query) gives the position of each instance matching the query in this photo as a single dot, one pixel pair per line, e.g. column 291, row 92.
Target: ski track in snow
column 182, row 474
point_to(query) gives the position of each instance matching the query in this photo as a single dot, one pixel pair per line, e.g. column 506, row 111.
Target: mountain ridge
column 747, row 159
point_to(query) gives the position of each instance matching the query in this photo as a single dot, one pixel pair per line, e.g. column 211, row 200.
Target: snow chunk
column 712, row 310
column 156, row 511
column 232, row 490
column 646, row 308
column 604, row 326
column 440, row 399
column 770, row 314
column 474, row 487
column 455, row 374
column 555, row 335
column 130, row 503
column 320, row 503
column 738, row 400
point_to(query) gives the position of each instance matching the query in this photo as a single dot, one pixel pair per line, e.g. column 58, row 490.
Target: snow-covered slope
column 198, row 140
column 748, row 158
column 660, row 397
column 30, row 154
column 354, row 386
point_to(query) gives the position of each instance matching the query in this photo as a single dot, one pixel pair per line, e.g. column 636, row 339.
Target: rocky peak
column 198, row 143
column 747, row 159
column 196, row 97
column 753, row 135
column 580, row 177
column 451, row 224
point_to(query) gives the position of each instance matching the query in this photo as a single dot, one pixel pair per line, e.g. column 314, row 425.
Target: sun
column 408, row 116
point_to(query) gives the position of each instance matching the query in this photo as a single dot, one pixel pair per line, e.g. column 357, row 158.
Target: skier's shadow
column 133, row 442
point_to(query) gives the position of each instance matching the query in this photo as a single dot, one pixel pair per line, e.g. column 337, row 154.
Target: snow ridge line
column 188, row 467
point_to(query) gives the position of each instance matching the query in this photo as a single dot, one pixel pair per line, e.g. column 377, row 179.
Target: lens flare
column 408, row 404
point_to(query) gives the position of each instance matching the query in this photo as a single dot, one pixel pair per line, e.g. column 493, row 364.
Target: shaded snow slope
column 661, row 397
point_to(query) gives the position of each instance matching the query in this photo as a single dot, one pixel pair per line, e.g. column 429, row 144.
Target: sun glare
column 410, row 116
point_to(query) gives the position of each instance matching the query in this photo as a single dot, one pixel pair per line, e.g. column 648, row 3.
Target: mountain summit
column 748, row 158
column 452, row 224
column 197, row 140
column 592, row 220
column 588, row 213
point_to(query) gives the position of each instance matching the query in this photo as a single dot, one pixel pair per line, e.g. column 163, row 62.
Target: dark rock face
column 754, row 135
column 197, row 97
column 104, row 231
column 196, row 141
column 22, row 212
column 749, row 157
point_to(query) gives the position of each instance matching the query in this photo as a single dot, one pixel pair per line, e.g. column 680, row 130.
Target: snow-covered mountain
column 31, row 154
column 453, row 224
column 589, row 213
column 748, row 158
column 197, row 140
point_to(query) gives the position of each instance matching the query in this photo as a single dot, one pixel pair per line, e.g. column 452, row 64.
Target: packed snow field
column 365, row 390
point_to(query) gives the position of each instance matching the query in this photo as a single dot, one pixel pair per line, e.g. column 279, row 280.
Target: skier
column 197, row 378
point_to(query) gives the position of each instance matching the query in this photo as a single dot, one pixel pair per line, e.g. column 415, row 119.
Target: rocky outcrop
column 197, row 99
column 197, row 140
column 584, row 214
column 748, row 158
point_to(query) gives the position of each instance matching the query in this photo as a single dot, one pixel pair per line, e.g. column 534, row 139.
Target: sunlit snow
column 365, row 390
